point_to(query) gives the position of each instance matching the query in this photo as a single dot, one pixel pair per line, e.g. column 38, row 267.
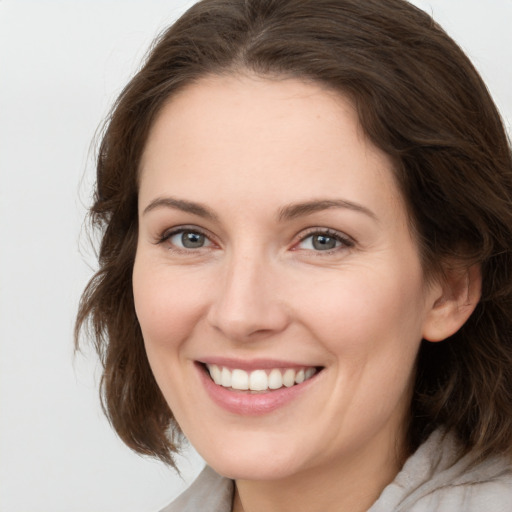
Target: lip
column 254, row 364
column 250, row 403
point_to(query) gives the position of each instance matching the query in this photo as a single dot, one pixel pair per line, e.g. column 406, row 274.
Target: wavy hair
column 421, row 101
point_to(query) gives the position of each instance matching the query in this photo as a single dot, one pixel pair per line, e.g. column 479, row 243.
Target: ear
column 453, row 298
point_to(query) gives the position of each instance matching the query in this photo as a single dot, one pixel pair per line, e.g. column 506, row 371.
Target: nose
column 248, row 304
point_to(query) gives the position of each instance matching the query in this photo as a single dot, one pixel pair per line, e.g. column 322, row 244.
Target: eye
column 186, row 239
column 324, row 241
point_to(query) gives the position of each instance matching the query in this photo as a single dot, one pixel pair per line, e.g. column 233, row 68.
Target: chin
column 250, row 469
column 255, row 460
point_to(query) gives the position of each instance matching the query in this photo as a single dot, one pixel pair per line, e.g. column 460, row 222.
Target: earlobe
column 452, row 302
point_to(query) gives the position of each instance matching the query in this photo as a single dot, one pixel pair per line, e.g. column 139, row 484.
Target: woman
column 306, row 210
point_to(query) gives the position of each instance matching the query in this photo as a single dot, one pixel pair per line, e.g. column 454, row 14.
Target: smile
column 259, row 380
column 253, row 388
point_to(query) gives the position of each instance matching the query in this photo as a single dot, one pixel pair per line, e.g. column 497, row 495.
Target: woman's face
column 274, row 248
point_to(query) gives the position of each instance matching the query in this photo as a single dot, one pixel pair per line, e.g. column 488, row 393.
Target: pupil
column 323, row 243
column 192, row 240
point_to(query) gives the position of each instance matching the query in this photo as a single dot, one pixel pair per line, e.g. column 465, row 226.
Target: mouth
column 259, row 380
column 253, row 388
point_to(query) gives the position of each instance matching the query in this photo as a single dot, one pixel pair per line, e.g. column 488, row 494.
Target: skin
column 244, row 149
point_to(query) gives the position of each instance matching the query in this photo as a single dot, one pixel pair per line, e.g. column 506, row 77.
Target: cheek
column 168, row 306
column 365, row 310
column 168, row 310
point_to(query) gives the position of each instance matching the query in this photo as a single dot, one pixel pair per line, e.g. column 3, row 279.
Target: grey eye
column 189, row 240
column 324, row 243
column 319, row 242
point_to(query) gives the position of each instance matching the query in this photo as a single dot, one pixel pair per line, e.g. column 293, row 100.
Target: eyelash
column 345, row 241
column 167, row 235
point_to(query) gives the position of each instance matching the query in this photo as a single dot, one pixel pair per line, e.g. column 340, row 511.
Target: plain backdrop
column 62, row 63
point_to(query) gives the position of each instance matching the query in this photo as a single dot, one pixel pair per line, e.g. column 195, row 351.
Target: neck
column 351, row 485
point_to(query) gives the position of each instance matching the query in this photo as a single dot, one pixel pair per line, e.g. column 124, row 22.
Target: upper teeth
column 258, row 380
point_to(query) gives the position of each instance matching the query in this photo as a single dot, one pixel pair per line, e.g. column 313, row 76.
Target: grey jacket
column 430, row 481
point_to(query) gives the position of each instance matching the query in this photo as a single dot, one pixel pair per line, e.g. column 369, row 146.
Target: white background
column 62, row 63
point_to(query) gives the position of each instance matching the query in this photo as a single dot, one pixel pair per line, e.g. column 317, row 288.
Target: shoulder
column 209, row 491
column 434, row 478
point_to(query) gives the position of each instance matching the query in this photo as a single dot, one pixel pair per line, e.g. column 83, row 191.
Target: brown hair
column 421, row 101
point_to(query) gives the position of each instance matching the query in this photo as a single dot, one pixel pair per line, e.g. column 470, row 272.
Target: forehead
column 275, row 138
column 236, row 106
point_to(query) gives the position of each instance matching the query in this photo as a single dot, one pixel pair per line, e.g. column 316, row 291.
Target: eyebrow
column 180, row 204
column 293, row 211
column 289, row 212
